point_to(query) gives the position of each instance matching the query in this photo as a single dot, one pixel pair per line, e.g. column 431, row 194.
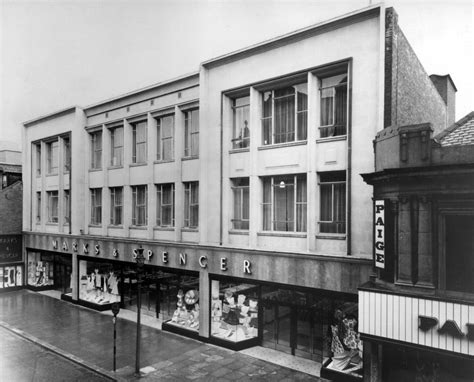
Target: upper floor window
column 191, row 204
column 38, row 159
column 284, row 203
column 96, row 206
column 165, row 205
column 67, row 207
column 38, row 207
column 332, row 190
column 240, row 190
column 139, row 205
column 241, row 118
column 52, row 206
column 165, row 138
column 116, row 203
column 52, row 149
column 333, row 109
column 116, row 146
column 285, row 114
column 458, row 267
column 67, row 154
column 139, row 137
column 96, row 150
column 191, row 133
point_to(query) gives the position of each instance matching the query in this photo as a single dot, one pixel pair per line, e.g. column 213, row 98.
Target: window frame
column 66, row 155
column 66, row 207
column 136, row 145
column 116, row 219
column 332, row 184
column 136, row 207
column 270, row 226
column 191, row 209
column 161, row 139
column 191, row 130
column 52, row 157
column 96, row 144
column 53, row 209
column 160, row 205
column 333, row 129
column 96, row 208
column 300, row 133
column 38, row 159
column 238, row 191
column 240, row 135
column 38, row 207
column 115, row 147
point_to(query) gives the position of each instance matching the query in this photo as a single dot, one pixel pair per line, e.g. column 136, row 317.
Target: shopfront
column 235, row 299
column 49, row 271
column 11, row 266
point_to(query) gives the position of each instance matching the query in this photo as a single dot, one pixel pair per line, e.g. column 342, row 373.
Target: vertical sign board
column 379, row 234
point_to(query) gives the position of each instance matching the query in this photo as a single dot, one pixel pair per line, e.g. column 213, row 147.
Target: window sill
column 238, row 232
column 159, row 228
column 139, row 227
column 52, row 224
column 114, row 167
column 188, row 229
column 334, row 236
column 137, row 164
column 113, row 226
column 242, row 150
column 190, row 158
column 93, row 225
column 332, row 139
column 95, row 169
column 282, row 234
column 280, row 145
column 52, row 174
column 159, row 161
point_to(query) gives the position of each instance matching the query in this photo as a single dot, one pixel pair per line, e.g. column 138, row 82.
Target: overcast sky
column 55, row 54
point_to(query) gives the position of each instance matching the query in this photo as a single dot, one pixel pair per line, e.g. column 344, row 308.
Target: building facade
column 11, row 200
column 416, row 314
column 240, row 183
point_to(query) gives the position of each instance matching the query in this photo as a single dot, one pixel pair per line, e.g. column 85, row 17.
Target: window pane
column 241, row 126
column 284, row 208
column 327, row 102
column 284, row 119
column 267, row 104
column 267, row 131
column 326, row 202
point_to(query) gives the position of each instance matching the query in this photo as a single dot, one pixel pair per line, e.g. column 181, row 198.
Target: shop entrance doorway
column 291, row 324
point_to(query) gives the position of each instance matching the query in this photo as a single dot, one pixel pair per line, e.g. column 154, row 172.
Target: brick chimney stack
column 447, row 90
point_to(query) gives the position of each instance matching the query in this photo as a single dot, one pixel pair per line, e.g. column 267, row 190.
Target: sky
column 59, row 53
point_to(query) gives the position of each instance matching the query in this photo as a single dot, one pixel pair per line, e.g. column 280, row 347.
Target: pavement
column 85, row 337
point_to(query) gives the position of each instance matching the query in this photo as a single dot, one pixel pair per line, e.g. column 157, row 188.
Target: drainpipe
column 349, row 161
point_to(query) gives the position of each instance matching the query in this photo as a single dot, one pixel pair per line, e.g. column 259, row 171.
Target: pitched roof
column 460, row 133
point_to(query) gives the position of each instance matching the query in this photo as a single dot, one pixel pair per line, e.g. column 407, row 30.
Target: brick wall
column 11, row 209
column 410, row 96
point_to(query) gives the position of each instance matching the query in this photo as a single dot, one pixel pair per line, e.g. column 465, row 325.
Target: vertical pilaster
column 311, row 181
column 151, row 157
column 127, row 192
column 255, row 192
column 204, row 311
column 106, row 162
column 425, row 253
column 178, row 178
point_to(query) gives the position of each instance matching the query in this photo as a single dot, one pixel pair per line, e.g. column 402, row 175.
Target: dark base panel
column 91, row 305
column 40, row 288
column 67, row 298
column 338, row 376
column 181, row 331
column 236, row 346
column 11, row 289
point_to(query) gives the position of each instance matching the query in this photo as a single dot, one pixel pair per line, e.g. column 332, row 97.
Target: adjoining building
column 239, row 182
column 417, row 314
column 11, row 200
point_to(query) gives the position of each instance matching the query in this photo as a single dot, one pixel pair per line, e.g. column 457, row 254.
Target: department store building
column 239, row 182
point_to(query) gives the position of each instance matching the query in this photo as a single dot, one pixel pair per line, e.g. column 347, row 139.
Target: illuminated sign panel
column 379, row 234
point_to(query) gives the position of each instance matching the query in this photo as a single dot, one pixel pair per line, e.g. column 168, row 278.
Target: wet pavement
column 86, row 336
column 20, row 360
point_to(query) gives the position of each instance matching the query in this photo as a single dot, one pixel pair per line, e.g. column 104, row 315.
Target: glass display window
column 99, row 283
column 181, row 293
column 234, row 311
column 343, row 341
column 40, row 269
column 11, row 276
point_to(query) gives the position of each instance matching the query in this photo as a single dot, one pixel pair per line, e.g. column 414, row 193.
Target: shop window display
column 186, row 314
column 344, row 343
column 40, row 270
column 11, row 276
column 98, row 283
column 234, row 311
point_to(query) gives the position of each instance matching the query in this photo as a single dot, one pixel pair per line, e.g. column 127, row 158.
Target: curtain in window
column 284, row 115
column 326, row 202
column 301, row 204
column 167, row 137
column 141, row 142
column 267, row 118
column 302, row 112
column 341, row 110
column 238, row 208
column 340, row 207
column 284, row 208
column 267, row 204
column 195, row 133
column 327, row 104
column 194, row 218
column 167, row 206
column 117, row 146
